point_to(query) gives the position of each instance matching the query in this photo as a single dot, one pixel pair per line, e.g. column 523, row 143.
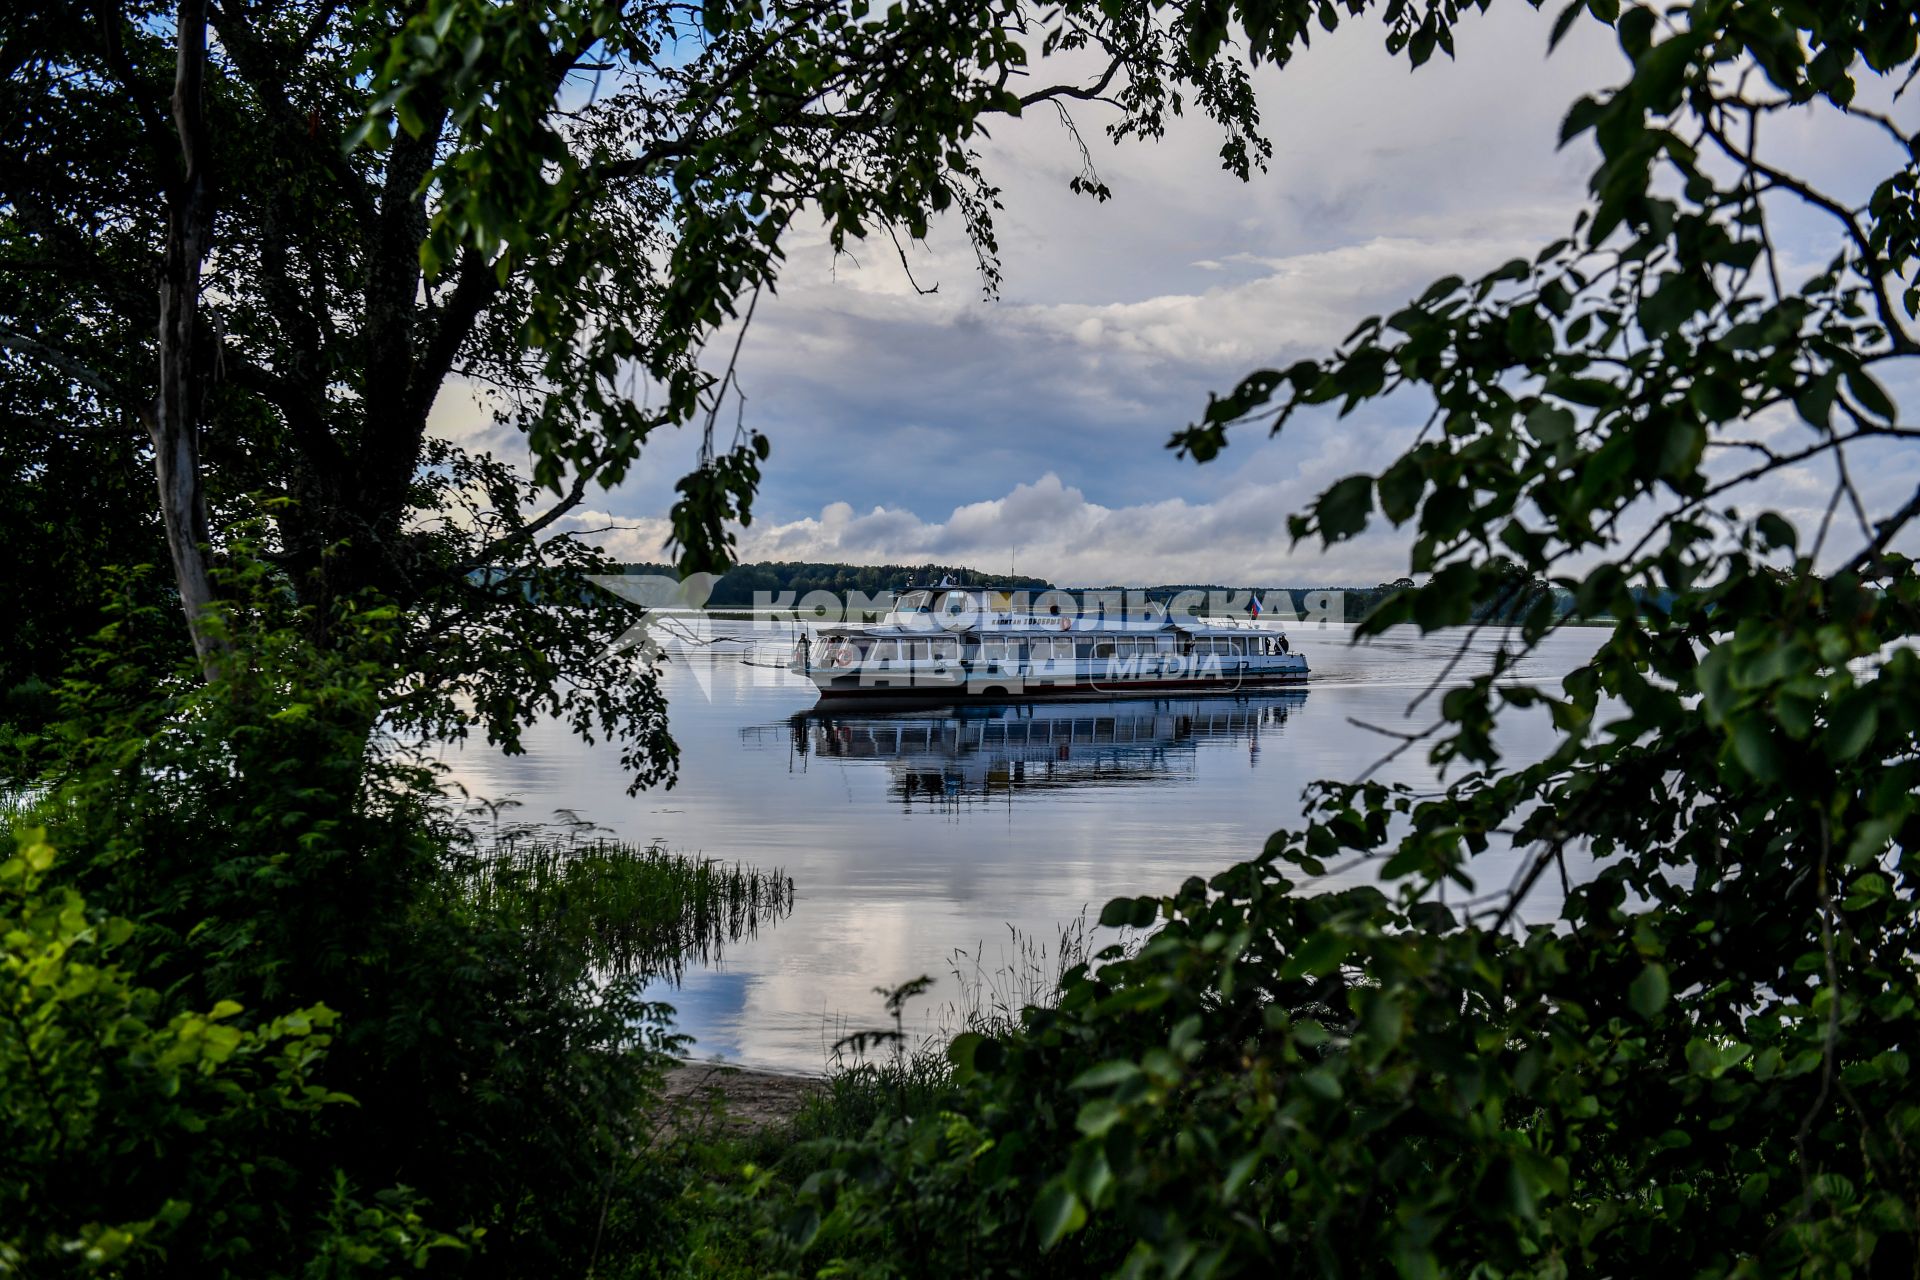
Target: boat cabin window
column 1103, row 648
column 1051, row 650
column 915, row 602
column 1000, row 650
column 840, row 651
column 930, row 650
column 884, row 650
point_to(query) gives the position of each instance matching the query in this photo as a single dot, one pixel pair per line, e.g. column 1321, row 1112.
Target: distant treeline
column 738, row 586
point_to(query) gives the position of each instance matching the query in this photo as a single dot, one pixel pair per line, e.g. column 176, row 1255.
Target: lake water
column 915, row 837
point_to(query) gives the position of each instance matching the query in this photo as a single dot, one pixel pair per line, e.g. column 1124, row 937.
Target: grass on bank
column 882, row 1074
column 633, row 909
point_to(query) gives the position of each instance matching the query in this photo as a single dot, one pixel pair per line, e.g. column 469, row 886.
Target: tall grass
column 1026, row 974
column 636, row 910
column 912, row 1077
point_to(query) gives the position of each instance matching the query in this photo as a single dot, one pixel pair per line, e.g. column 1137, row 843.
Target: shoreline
column 736, row 1097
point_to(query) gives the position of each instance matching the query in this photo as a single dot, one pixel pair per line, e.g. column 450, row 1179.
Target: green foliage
column 136, row 1131
column 512, row 635
column 80, row 497
column 1289, row 1083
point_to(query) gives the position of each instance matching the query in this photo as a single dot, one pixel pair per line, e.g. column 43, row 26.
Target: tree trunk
column 175, row 421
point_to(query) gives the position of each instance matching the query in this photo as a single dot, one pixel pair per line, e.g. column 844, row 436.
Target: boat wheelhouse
column 970, row 642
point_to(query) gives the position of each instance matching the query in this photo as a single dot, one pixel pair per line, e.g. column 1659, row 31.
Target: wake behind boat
column 957, row 642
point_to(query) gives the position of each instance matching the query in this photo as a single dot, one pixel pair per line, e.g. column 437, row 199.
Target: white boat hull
column 1080, row 679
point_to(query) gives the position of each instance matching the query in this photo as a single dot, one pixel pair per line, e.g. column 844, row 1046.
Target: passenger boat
column 956, row 642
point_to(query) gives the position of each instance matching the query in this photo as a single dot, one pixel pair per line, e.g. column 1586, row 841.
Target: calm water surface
column 911, row 836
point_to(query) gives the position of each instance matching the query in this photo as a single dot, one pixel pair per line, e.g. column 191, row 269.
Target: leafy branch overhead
column 638, row 169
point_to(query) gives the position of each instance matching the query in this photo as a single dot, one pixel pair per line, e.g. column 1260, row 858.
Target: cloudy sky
column 1030, row 430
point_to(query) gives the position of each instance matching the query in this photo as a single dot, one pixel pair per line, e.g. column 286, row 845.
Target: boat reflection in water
column 952, row 754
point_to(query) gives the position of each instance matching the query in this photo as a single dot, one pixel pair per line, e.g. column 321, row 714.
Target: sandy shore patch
column 736, row 1098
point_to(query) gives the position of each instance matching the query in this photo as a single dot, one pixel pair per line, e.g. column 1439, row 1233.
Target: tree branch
column 1090, row 93
column 174, row 423
column 266, row 74
column 488, row 554
column 474, row 288
column 298, row 408
column 1884, row 532
column 153, row 125
column 1870, row 264
column 76, row 369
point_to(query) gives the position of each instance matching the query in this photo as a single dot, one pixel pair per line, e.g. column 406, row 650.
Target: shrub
column 1281, row 1083
column 271, row 850
column 142, row 1137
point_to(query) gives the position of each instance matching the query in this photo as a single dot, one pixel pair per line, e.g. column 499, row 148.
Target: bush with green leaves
column 1282, row 1082
column 267, row 855
column 139, row 1134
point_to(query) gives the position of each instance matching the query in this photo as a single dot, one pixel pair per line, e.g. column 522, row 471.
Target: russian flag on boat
column 1254, row 608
